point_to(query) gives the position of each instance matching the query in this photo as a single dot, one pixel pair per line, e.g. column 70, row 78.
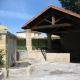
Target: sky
column 15, row 13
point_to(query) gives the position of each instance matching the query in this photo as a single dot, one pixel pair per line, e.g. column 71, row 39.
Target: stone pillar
column 28, row 40
column 49, row 40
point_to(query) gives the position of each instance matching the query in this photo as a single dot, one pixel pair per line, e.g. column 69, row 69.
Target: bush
column 39, row 43
column 1, row 58
column 21, row 44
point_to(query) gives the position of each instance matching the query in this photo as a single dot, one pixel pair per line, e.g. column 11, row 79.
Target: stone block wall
column 58, row 57
column 50, row 57
column 35, row 54
column 11, row 48
column 21, row 55
column 8, row 45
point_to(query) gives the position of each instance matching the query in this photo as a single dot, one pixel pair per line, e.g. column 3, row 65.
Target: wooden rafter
column 59, row 19
column 75, row 20
column 41, row 20
column 47, row 21
column 69, row 17
column 52, row 26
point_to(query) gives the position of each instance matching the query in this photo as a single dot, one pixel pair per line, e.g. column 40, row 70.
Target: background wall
column 11, row 48
column 70, row 43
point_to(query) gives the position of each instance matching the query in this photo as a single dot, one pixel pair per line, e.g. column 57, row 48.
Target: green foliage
column 39, row 43
column 21, row 47
column 36, row 43
column 21, row 44
column 72, row 5
column 1, row 58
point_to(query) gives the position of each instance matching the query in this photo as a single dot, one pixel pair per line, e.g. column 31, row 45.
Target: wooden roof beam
column 65, row 32
column 59, row 19
column 75, row 20
column 52, row 26
column 69, row 17
column 41, row 20
column 54, row 30
column 47, row 21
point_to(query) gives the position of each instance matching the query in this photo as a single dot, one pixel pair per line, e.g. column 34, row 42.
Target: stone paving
column 51, row 71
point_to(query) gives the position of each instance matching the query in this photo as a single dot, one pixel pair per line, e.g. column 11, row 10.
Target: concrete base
column 5, row 72
column 18, row 71
column 1, row 75
column 58, row 57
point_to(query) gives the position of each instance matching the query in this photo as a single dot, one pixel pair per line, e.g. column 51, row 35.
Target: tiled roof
column 55, row 8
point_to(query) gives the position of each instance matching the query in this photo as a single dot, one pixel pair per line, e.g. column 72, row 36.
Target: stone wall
column 58, row 57
column 21, row 55
column 35, row 54
column 11, row 48
column 38, row 55
column 8, row 45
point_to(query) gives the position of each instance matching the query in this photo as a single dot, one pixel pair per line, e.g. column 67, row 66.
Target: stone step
column 20, row 71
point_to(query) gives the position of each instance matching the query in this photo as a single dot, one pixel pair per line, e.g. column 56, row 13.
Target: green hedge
column 39, row 43
column 36, row 43
column 21, row 44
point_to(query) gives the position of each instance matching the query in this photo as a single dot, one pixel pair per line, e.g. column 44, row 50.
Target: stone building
column 2, row 27
column 34, row 34
column 22, row 34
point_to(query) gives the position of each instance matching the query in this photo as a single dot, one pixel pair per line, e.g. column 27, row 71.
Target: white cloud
column 12, row 14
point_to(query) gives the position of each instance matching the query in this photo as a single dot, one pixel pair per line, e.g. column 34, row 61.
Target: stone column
column 49, row 40
column 28, row 40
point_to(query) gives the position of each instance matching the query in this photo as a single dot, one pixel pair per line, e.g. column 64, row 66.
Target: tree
column 72, row 5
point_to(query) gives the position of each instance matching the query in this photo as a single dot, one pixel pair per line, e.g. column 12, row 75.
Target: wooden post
column 49, row 40
column 49, row 35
